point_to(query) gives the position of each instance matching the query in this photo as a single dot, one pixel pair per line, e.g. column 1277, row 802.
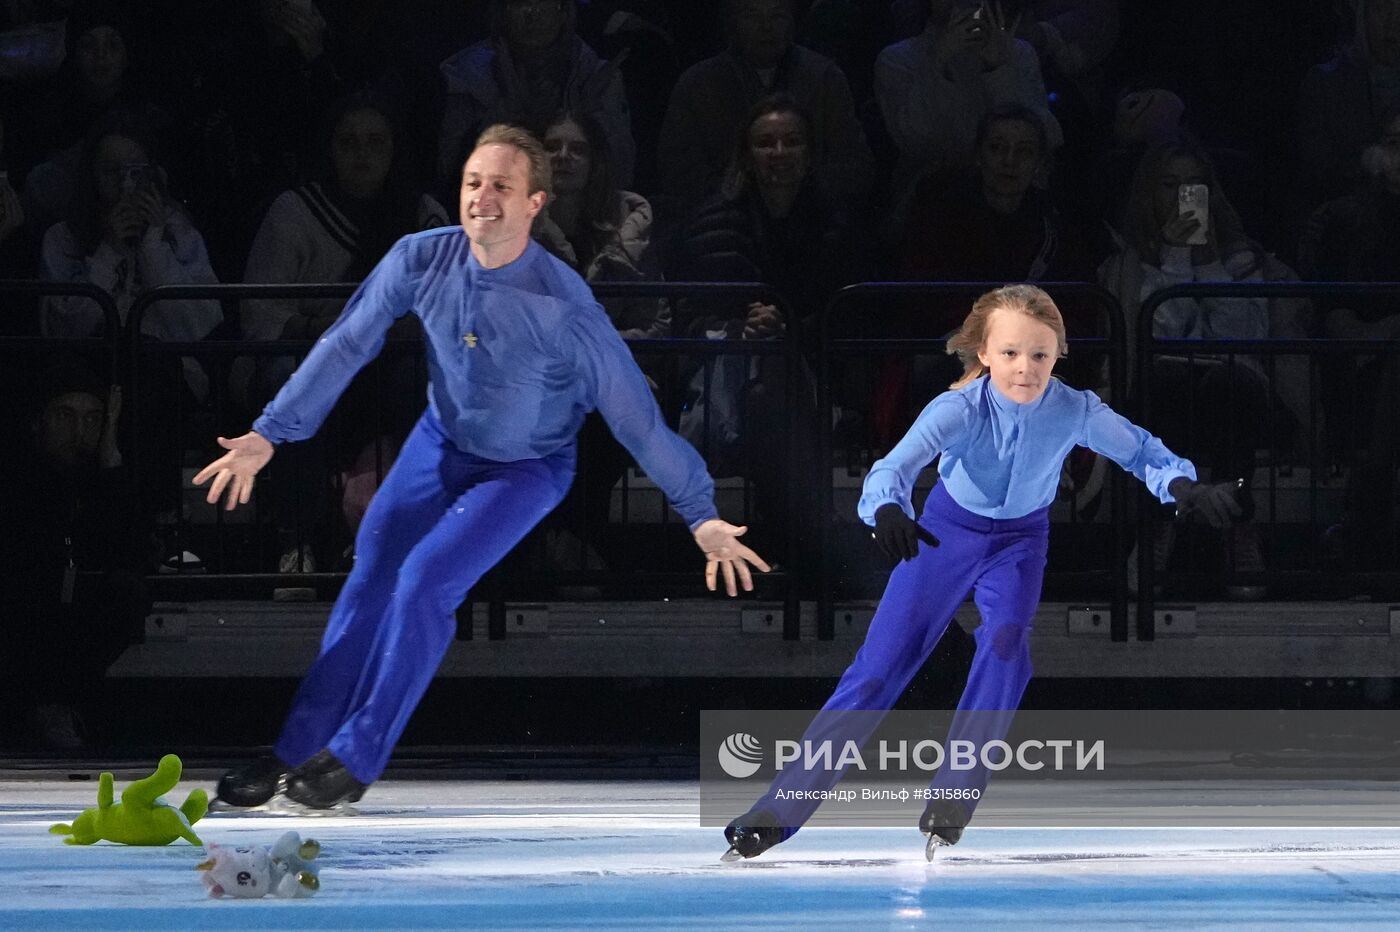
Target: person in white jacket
column 128, row 237
column 1218, row 407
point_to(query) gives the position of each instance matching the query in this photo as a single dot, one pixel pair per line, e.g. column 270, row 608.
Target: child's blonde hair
column 972, row 335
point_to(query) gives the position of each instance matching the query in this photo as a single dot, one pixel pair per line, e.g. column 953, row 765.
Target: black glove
column 898, row 534
column 1217, row 502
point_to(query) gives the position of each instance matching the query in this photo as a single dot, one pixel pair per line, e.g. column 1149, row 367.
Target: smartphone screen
column 1193, row 200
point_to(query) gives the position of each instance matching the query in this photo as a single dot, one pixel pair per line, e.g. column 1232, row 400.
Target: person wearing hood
column 533, row 66
column 713, row 98
column 1342, row 103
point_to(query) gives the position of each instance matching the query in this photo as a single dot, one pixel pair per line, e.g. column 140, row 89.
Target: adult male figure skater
column 518, row 352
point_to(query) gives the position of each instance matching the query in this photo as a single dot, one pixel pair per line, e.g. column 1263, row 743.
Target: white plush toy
column 248, row 872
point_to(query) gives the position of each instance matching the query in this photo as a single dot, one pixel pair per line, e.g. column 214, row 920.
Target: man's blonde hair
column 541, row 175
column 972, row 335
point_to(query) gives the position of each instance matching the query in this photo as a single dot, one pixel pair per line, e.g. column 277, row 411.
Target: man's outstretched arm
column 624, row 399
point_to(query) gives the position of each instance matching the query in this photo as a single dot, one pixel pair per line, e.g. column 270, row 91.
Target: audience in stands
column 954, row 139
column 995, row 222
column 72, row 557
column 127, row 235
column 713, row 100
column 101, row 74
column 649, row 42
column 334, row 229
column 266, row 72
column 31, row 41
column 604, row 234
column 533, row 66
column 1357, row 238
column 600, row 230
column 772, row 221
column 934, row 88
column 1343, row 103
column 17, row 249
column 1218, row 409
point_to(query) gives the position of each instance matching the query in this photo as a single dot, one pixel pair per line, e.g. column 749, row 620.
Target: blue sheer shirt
column 517, row 355
column 1001, row 459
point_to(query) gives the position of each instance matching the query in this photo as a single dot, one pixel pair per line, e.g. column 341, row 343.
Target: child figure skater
column 1002, row 434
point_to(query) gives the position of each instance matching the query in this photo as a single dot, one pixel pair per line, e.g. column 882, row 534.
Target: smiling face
column 1019, row 353
column 778, row 147
column 497, row 206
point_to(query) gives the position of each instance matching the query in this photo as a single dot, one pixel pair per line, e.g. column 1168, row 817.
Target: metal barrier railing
column 32, row 288
column 520, row 577
column 131, row 363
column 106, row 344
column 1148, row 346
column 143, row 355
column 833, row 346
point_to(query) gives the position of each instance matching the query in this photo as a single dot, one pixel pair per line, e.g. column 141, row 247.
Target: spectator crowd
column 805, row 144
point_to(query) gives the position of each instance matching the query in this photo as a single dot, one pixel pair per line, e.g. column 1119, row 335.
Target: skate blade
column 935, row 841
column 283, row 805
column 732, row 855
column 219, row 805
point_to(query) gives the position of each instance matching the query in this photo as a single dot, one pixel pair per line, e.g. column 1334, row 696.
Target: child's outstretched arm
column 1169, row 477
column 891, row 478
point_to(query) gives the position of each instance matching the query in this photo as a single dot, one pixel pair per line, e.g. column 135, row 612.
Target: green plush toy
column 142, row 817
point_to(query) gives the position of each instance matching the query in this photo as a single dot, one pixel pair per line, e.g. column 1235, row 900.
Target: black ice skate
column 943, row 822
column 251, row 785
column 323, row 782
column 751, row 834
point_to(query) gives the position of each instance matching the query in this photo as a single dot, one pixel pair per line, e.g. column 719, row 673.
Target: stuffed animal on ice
column 251, row 871
column 142, row 817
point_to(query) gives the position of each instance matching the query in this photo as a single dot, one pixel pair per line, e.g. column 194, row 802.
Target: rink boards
column 702, row 637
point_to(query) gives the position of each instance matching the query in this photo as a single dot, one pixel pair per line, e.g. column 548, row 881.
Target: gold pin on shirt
column 471, row 340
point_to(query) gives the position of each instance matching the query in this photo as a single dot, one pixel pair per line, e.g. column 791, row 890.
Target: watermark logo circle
column 740, row 755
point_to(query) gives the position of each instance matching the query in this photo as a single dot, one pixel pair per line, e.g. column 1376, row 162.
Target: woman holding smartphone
column 1179, row 227
column 125, row 236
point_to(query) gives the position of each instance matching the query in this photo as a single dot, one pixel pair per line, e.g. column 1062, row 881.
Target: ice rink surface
column 631, row 855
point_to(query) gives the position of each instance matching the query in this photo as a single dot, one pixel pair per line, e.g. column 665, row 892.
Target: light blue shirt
column 517, row 355
column 1001, row 459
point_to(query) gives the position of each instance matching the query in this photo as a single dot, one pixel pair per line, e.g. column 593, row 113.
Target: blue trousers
column 441, row 519
column 1003, row 562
